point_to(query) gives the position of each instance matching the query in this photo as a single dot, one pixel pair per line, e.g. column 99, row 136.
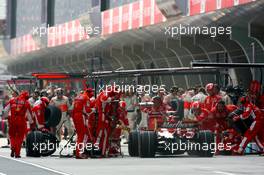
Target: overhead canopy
column 157, row 71
column 150, row 47
column 227, row 65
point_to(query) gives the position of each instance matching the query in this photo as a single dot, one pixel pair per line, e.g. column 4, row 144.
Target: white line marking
column 2, row 173
column 217, row 172
column 224, row 173
column 35, row 165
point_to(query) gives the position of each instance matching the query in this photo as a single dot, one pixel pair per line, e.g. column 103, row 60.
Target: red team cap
column 24, row 95
column 122, row 104
column 45, row 99
column 209, row 87
column 89, row 92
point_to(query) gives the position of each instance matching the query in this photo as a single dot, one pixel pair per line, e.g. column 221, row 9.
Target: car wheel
column 52, row 116
column 133, row 144
column 148, row 144
column 206, row 138
column 50, row 141
column 33, row 141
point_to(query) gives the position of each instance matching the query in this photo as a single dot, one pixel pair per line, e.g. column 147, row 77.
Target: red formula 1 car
column 169, row 134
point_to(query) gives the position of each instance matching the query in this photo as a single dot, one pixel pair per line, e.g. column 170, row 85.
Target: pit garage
column 144, row 42
column 152, row 47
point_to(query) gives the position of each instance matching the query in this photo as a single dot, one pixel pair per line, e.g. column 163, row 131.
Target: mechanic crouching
column 220, row 114
column 118, row 124
column 202, row 115
column 256, row 129
column 106, row 107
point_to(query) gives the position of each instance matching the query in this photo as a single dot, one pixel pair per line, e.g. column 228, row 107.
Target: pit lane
column 225, row 165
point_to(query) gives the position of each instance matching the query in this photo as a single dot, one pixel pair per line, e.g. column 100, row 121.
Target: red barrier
column 131, row 16
column 23, row 44
column 204, row 6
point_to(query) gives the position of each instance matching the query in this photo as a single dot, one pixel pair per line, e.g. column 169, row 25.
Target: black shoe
column 18, row 157
column 12, row 153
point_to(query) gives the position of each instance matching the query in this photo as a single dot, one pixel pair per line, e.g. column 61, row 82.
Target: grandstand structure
column 86, row 36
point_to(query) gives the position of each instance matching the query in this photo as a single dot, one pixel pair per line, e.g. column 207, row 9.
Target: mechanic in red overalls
column 157, row 113
column 220, row 113
column 103, row 104
column 81, row 112
column 212, row 99
column 202, row 115
column 91, row 122
column 38, row 111
column 258, row 100
column 119, row 124
column 256, row 130
column 20, row 109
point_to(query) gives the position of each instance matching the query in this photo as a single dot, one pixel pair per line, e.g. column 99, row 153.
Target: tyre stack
column 40, row 143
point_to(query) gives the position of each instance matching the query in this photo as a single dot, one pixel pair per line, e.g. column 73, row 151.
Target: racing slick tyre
column 133, row 143
column 40, row 144
column 52, row 116
column 33, row 141
column 192, row 152
column 148, row 144
column 206, row 138
column 225, row 153
column 50, row 141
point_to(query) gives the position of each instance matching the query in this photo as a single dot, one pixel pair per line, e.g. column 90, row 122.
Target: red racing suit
column 91, row 123
column 231, row 138
column 211, row 101
column 157, row 115
column 221, row 122
column 38, row 111
column 206, row 122
column 103, row 122
column 120, row 123
column 20, row 109
column 220, row 117
column 256, row 129
column 80, row 114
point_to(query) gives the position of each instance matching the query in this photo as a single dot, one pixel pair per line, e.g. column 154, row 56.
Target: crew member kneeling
column 255, row 131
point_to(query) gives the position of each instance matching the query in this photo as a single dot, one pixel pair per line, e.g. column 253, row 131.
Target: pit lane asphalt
column 219, row 165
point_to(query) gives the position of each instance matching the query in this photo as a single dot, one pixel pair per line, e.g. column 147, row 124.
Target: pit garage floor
column 219, row 165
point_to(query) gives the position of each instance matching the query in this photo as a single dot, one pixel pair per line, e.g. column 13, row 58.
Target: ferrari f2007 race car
column 170, row 134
